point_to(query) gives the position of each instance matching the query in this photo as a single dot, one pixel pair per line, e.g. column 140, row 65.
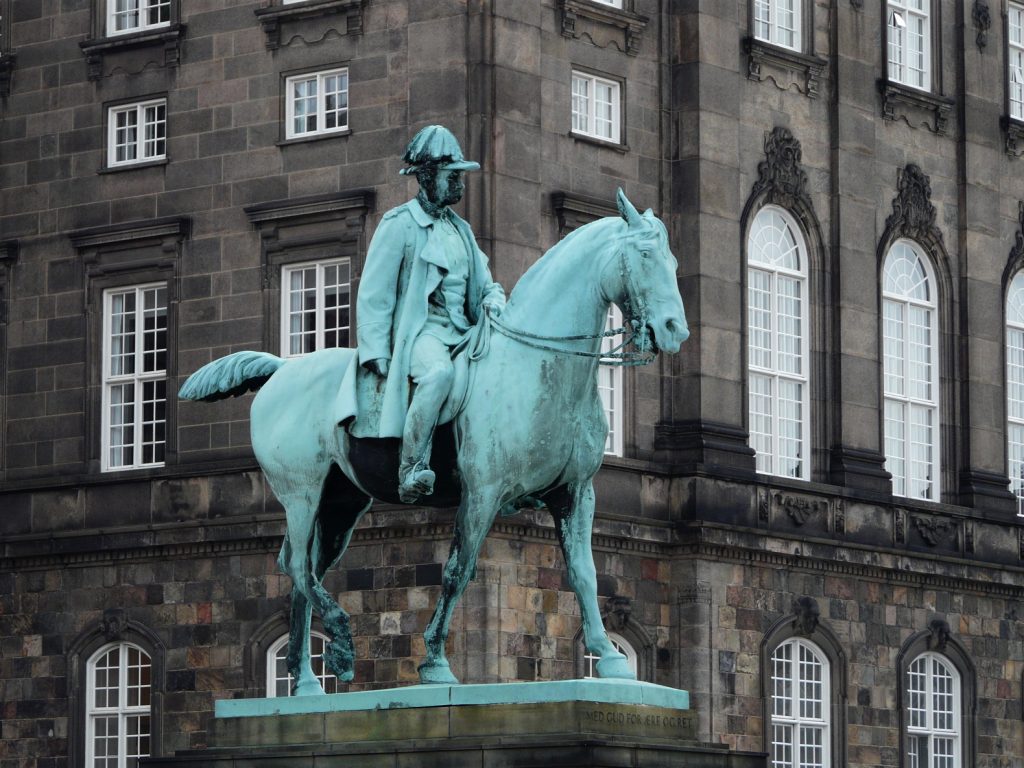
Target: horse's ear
column 649, row 213
column 626, row 209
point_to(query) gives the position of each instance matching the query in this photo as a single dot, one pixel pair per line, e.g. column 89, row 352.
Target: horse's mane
column 601, row 232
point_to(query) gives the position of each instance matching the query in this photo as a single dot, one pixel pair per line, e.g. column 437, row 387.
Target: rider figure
column 424, row 285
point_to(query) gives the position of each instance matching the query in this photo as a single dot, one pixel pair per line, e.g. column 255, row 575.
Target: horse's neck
column 563, row 296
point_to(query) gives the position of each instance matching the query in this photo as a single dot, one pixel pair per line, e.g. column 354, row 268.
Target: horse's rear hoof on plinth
column 615, row 667
column 437, row 673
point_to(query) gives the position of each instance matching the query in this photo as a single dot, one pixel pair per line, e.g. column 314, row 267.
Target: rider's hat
column 436, row 145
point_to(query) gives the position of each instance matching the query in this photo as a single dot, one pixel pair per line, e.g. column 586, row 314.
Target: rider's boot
column 416, row 480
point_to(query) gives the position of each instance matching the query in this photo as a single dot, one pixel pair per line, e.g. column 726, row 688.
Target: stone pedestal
column 570, row 723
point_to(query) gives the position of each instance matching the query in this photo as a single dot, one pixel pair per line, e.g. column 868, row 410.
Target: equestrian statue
column 453, row 398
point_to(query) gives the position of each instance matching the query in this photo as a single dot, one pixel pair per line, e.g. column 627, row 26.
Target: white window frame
column 609, row 384
column 797, row 721
column 768, row 462
column 900, row 16
column 324, row 675
column 1015, row 388
column 289, row 100
column 139, row 376
column 321, row 266
column 931, row 731
column 1015, row 59
column 590, row 113
column 768, row 23
column 144, row 6
column 122, row 710
column 610, row 3
column 907, row 401
column 621, row 644
column 141, row 141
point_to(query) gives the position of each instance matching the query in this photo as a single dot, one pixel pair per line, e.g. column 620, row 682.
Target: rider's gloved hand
column 378, row 366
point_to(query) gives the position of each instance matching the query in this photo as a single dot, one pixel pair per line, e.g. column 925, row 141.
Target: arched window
column 117, row 706
column 777, row 312
column 911, row 372
column 1015, row 388
column 279, row 682
column 621, row 645
column 933, row 713
column 800, row 706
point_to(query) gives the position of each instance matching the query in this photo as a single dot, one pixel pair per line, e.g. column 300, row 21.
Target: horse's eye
column 645, row 254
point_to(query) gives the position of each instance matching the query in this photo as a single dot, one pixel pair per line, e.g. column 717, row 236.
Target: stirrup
column 418, row 481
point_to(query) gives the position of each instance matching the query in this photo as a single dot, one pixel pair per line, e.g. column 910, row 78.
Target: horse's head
column 651, row 292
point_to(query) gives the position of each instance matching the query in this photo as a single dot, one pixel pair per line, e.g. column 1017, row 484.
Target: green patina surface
column 595, row 691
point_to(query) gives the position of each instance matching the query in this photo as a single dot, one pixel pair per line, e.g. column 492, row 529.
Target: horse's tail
column 230, row 376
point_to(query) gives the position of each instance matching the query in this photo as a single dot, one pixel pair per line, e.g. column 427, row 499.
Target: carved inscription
column 611, row 718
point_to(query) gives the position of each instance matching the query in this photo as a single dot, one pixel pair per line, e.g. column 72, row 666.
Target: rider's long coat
column 404, row 265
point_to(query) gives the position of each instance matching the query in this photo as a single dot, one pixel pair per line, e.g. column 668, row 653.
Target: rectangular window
column 596, row 107
column 778, row 22
column 124, row 16
column 1015, row 59
column 315, row 305
column 137, row 133
column 910, row 34
column 134, row 377
column 609, row 386
column 316, row 103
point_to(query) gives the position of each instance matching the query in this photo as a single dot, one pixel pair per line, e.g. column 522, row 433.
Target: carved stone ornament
column 913, row 214
column 806, row 614
column 1014, row 130
column 934, row 529
column 631, row 25
column 618, row 610
column 918, row 108
column 7, row 61
column 800, row 510
column 764, row 506
column 783, row 67
column 938, row 634
column 839, row 519
column 899, row 526
column 982, row 18
column 1017, row 252
column 113, row 624
column 780, row 175
column 969, row 538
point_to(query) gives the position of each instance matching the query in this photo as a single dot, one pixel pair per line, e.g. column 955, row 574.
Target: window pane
column 580, row 104
column 761, row 420
column 895, row 445
column 609, row 385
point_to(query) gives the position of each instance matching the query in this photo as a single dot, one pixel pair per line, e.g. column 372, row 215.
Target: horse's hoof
column 437, row 673
column 615, row 667
column 340, row 659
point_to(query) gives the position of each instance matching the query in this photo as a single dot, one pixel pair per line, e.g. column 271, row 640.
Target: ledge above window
column 272, row 17
column 169, row 38
column 785, row 67
column 918, row 108
column 1014, row 130
column 631, row 24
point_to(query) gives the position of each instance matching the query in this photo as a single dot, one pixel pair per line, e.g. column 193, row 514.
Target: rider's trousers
column 431, row 369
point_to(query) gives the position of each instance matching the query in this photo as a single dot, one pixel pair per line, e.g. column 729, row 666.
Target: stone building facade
column 163, row 165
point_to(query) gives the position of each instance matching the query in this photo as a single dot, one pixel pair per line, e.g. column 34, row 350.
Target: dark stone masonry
column 164, row 194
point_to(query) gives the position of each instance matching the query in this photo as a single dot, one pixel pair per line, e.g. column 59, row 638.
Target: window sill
column 169, row 37
column 314, row 137
column 1014, row 129
column 134, row 166
column 785, row 67
column 631, row 24
column 617, row 146
column 918, row 108
column 7, row 60
column 272, row 17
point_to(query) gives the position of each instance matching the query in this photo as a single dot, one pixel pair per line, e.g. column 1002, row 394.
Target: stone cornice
column 316, row 205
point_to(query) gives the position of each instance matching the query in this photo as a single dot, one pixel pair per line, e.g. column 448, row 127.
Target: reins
column 636, row 326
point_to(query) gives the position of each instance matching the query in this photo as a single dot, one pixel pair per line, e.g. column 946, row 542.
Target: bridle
column 635, row 306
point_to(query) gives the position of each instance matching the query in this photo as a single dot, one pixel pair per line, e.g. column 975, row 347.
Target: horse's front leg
column 575, row 523
column 304, row 682
column 476, row 514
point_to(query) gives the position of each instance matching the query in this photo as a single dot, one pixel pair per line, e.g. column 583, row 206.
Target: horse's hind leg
column 304, row 681
column 574, row 521
column 476, row 514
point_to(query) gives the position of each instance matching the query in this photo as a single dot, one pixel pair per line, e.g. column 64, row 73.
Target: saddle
column 375, row 460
